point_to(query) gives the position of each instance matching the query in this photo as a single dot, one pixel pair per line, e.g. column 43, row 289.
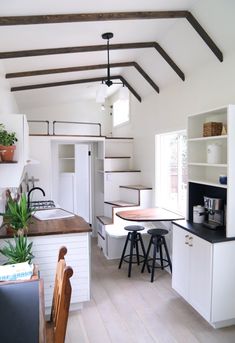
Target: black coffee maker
column 214, row 213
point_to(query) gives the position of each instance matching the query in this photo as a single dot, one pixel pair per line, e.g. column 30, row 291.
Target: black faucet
column 33, row 189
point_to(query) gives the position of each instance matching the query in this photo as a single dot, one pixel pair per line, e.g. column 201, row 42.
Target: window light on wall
column 121, row 109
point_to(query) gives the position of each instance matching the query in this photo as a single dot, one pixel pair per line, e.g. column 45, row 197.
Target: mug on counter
column 198, row 214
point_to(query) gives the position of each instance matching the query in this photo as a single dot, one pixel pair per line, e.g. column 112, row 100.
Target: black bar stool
column 134, row 237
column 157, row 240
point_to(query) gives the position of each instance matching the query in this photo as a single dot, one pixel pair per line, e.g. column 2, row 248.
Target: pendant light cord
column 108, row 67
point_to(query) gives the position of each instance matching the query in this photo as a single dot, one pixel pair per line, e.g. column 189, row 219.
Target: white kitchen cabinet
column 11, row 173
column 180, row 261
column 202, row 273
column 192, row 267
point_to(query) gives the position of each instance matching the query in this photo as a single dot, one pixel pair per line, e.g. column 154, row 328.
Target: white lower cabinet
column 204, row 275
column 45, row 251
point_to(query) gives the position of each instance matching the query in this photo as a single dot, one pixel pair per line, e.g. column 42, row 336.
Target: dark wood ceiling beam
column 89, row 17
column 84, row 68
column 202, row 33
column 92, row 48
column 146, row 76
column 74, row 82
column 86, row 17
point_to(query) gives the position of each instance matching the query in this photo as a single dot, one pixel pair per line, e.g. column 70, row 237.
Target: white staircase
column 122, row 189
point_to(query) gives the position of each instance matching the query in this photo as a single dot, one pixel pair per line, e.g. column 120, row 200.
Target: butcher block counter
column 47, row 237
column 37, row 227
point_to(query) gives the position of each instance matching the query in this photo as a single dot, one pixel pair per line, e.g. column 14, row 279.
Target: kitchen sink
column 55, row 213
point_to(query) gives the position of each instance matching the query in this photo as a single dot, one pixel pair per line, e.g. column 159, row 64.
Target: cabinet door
column 66, row 191
column 200, row 281
column 180, row 262
column 83, row 181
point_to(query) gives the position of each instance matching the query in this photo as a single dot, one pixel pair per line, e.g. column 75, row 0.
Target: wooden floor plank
column 135, row 310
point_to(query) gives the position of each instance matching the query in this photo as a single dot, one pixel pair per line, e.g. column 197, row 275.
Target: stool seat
column 134, row 237
column 157, row 232
column 134, row 228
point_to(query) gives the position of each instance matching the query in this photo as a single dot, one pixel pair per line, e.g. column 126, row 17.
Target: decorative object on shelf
column 18, row 215
column 212, row 129
column 223, row 179
column 101, row 93
column 19, row 252
column 224, row 130
column 7, row 147
column 214, row 153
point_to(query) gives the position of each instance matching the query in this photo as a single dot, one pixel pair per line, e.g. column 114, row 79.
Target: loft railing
column 42, row 122
column 86, row 128
column 98, row 125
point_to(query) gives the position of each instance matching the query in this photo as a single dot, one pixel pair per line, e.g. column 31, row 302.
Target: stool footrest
column 158, row 259
column 126, row 258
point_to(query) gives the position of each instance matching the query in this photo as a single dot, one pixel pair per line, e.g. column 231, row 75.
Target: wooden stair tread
column 105, row 220
column 120, row 203
column 136, row 187
column 116, row 157
column 113, row 138
column 123, row 171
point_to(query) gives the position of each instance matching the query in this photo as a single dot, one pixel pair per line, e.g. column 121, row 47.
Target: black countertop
column 212, row 236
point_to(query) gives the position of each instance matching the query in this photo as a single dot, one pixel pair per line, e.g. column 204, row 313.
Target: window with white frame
column 171, row 171
column 121, row 111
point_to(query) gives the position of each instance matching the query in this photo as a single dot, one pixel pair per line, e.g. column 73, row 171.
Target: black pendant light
column 102, row 90
column 108, row 36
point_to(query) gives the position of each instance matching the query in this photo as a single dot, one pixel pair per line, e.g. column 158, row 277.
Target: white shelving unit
column 66, row 158
column 207, row 174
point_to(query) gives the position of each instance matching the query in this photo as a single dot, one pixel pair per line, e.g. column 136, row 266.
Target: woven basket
column 212, row 129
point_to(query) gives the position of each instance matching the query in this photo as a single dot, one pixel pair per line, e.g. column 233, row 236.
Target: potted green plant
column 7, row 141
column 19, row 252
column 18, row 214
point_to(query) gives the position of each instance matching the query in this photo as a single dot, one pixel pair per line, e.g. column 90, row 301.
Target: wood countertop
column 149, row 214
column 37, row 227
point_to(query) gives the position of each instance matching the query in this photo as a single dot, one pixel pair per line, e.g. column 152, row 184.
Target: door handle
column 186, row 239
column 190, row 241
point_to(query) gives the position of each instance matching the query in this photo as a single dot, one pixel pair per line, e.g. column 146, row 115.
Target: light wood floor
column 126, row 310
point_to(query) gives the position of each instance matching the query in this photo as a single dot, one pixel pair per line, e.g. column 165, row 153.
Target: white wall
column 7, row 100
column 7, row 106
column 84, row 111
column 208, row 86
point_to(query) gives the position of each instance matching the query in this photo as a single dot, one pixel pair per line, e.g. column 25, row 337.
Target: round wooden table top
column 149, row 214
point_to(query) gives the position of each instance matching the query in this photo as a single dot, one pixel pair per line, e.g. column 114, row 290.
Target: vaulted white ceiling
column 176, row 36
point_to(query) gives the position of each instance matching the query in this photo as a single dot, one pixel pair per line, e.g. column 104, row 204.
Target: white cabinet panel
column 223, row 305
column 83, row 181
column 66, row 191
column 200, row 275
column 192, row 270
column 180, row 259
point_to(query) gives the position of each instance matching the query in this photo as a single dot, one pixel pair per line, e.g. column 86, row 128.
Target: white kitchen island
column 47, row 237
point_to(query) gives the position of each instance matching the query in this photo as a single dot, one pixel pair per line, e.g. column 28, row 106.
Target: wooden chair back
column 61, row 298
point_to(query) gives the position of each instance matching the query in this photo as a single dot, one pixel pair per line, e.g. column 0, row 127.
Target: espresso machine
column 214, row 213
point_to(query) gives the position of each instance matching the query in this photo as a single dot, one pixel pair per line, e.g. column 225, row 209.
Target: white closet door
column 82, row 172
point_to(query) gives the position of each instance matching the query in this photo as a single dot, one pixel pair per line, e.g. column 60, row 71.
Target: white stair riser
column 118, row 149
column 117, row 164
column 114, row 180
column 129, row 195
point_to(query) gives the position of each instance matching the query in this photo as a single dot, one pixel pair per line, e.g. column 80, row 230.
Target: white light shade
column 124, row 93
column 101, row 93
